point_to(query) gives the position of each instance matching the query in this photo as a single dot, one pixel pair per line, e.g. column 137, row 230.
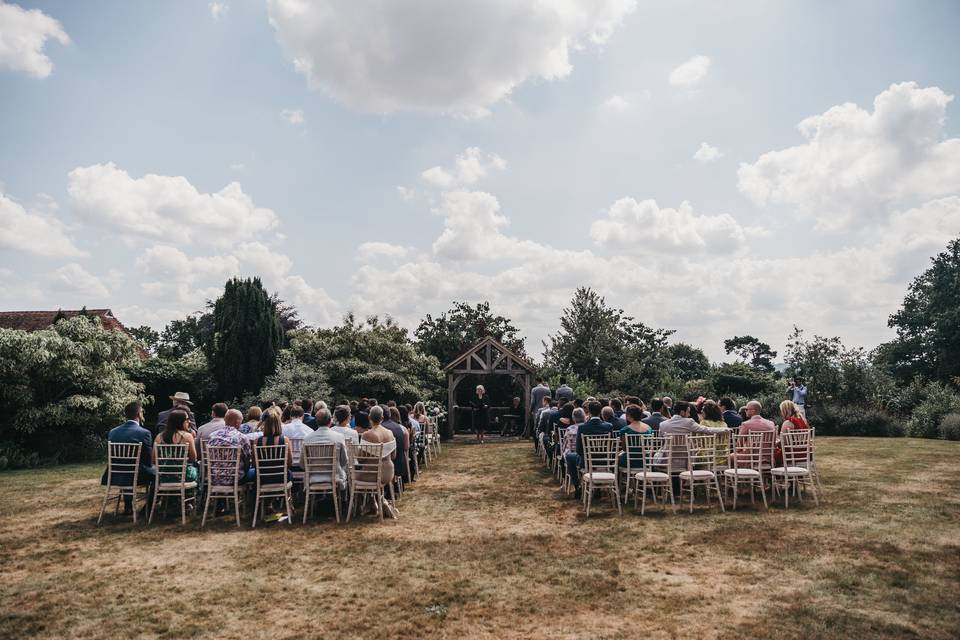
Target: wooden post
column 451, row 414
column 526, row 403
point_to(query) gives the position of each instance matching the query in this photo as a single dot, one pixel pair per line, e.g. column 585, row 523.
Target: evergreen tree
column 60, row 316
column 247, row 338
column 753, row 351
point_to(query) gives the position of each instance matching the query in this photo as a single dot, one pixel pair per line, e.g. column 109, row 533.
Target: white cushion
column 789, row 471
column 176, row 485
column 600, row 475
column 750, row 473
column 652, row 475
column 698, row 473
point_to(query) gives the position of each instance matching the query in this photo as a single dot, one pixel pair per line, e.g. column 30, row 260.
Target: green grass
column 487, row 547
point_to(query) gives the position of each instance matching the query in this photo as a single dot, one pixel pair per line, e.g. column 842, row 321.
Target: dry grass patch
column 487, row 547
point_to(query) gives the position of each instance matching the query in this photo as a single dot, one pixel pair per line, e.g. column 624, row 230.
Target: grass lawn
column 486, row 547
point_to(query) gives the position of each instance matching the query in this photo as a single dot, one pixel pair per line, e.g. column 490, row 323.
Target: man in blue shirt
column 656, row 415
column 797, row 392
column 730, row 415
column 132, row 432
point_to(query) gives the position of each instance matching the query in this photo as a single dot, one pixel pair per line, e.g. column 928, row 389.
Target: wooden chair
column 222, row 463
column 745, row 467
column 271, row 465
column 123, row 475
column 795, row 473
column 648, row 478
column 600, row 461
column 365, row 475
column 172, row 479
column 558, row 465
column 320, row 476
column 701, row 461
column 204, row 472
column 768, row 445
column 633, row 459
column 296, row 446
column 434, row 434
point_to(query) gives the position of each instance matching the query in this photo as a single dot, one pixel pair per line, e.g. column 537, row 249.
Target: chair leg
column 306, row 503
column 103, row 507
column 256, row 510
column 716, row 485
column 380, row 505
column 589, row 500
column 336, row 503
column 350, row 504
column 616, row 494
column 206, row 508
column 643, row 503
column 288, row 498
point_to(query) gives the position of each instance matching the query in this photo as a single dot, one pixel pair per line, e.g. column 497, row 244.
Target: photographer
column 797, row 392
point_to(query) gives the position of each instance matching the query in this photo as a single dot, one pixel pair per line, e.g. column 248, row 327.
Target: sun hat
column 181, row 396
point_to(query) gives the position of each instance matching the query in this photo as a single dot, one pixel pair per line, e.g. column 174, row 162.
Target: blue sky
column 320, row 111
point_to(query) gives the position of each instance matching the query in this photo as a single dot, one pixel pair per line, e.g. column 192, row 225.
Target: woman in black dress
column 481, row 412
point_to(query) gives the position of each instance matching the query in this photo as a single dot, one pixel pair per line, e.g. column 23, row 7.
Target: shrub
column 950, row 427
column 927, row 415
column 855, row 421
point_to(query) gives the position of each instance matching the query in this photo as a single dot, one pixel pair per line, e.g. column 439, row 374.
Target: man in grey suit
column 181, row 401
column 681, row 423
column 564, row 392
column 656, row 417
column 537, row 394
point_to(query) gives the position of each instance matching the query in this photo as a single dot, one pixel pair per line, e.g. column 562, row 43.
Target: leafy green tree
column 753, row 351
column 373, row 358
column 180, row 337
column 162, row 377
column 603, row 344
column 247, row 338
column 689, row 362
column 61, row 388
column 60, row 316
column 295, row 380
column 148, row 337
column 452, row 332
column 928, row 323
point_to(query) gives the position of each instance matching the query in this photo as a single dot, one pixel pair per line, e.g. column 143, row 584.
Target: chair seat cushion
column 176, row 485
column 276, row 486
column 743, row 473
column 789, row 471
column 360, row 484
column 600, row 475
column 652, row 475
column 697, row 473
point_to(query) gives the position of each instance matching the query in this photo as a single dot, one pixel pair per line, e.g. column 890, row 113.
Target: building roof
column 488, row 353
column 37, row 320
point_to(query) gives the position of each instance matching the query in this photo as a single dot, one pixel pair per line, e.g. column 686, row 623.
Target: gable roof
column 496, row 344
column 37, row 320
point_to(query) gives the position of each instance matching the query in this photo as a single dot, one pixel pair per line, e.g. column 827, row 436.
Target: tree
column 162, row 377
column 596, row 341
column 449, row 334
column 928, row 323
column 247, row 338
column 689, row 362
column 757, row 354
column 180, row 337
column 61, row 388
column 60, row 316
column 288, row 315
column 373, row 358
column 148, row 337
column 295, row 380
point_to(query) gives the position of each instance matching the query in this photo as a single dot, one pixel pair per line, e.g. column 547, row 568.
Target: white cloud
column 23, row 35
column 707, row 153
column 625, row 102
column 155, row 207
column 33, row 232
column 292, row 116
column 617, row 103
column 469, row 167
column 406, row 194
column 856, row 163
column 690, row 73
column 435, row 55
column 218, row 9
column 74, row 279
column 643, row 227
column 381, row 250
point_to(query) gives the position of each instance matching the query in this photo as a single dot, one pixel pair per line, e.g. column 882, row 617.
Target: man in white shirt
column 342, row 415
column 325, row 435
column 219, row 410
column 295, row 428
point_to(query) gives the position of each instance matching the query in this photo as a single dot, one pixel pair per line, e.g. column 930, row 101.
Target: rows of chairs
column 222, row 481
column 722, row 464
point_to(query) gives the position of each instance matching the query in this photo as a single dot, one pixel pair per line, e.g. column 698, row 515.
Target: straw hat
column 181, row 396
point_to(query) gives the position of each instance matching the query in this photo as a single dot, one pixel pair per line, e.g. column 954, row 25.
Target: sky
column 717, row 169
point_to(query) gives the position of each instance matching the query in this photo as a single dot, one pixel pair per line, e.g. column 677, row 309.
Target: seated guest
column 361, row 420
column 635, row 425
column 742, row 412
column 569, row 444
column 730, row 415
column 563, row 393
column 608, row 414
column 342, row 416
column 354, row 408
column 272, row 426
column 378, row 434
column 656, row 416
column 296, row 428
column 308, row 410
column 285, row 415
column 682, row 423
column 667, row 406
column 176, row 431
column 218, row 410
column 711, row 416
column 547, row 416
column 402, row 417
column 755, row 422
column 391, row 416
column 132, row 432
column 325, row 435
column 229, row 435
column 617, row 405
column 254, row 414
column 594, row 426
column 642, row 406
column 181, row 402
column 792, row 421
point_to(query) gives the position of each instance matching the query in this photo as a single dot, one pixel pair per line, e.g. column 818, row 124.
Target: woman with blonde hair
column 271, row 425
column 481, row 412
column 792, row 421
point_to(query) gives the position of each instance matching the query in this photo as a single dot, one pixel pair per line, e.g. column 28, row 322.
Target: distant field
column 486, row 547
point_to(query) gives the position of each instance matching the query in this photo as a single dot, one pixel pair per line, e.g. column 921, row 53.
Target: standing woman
column 481, row 412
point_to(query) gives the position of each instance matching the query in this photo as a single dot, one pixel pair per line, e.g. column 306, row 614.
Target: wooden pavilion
column 488, row 357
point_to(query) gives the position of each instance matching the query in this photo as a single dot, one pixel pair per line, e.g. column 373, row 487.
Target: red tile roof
column 36, row 320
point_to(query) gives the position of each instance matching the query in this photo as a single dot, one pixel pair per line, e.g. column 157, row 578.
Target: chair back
column 633, row 447
column 365, row 462
column 123, row 463
column 767, row 441
column 600, row 453
column 172, row 463
column 677, row 452
column 271, row 463
column 296, row 446
column 561, row 435
column 748, row 450
column 319, row 463
column 724, row 446
column 654, row 451
column 796, row 448
column 701, row 452
column 222, row 466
